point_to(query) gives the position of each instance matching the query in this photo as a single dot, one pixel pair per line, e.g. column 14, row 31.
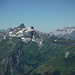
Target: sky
column 44, row 15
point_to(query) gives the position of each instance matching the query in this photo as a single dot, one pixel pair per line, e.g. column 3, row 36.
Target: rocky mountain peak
column 32, row 27
column 21, row 25
column 26, row 34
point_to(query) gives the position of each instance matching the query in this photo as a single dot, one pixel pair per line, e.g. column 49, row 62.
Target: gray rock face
column 29, row 33
column 25, row 33
column 21, row 26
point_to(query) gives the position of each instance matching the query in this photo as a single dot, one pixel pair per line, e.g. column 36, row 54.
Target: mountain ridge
column 66, row 32
column 24, row 33
column 27, row 51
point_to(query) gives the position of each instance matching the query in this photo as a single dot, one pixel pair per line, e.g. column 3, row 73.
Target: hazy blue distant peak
column 68, row 28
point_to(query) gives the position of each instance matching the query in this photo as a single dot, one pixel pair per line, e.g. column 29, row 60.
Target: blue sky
column 44, row 15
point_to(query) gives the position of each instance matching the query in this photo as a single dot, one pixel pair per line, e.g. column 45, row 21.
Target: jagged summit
column 21, row 25
column 30, row 33
column 32, row 27
column 25, row 34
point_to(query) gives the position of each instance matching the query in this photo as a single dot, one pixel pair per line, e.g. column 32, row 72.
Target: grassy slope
column 59, row 65
column 31, row 56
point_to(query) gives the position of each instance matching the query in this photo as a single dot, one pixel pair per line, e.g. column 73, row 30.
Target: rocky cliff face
column 24, row 33
column 30, row 33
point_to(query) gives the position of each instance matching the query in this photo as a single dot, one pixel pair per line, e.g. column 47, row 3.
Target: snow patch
column 25, row 39
column 40, row 42
column 28, row 29
column 10, row 33
column 33, row 40
column 66, row 54
column 55, row 40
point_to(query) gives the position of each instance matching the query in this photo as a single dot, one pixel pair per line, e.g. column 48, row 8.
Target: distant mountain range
column 27, row 51
column 66, row 32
